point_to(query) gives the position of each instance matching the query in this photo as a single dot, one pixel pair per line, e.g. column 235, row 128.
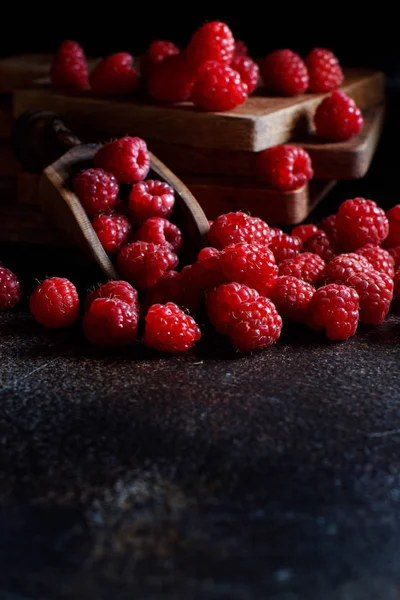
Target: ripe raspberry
column 376, row 294
column 255, row 324
column 223, row 300
column 291, row 297
column 360, row 222
column 55, row 303
column 69, row 67
column 379, row 258
column 393, row 216
column 172, row 81
column 142, row 263
column 119, row 290
column 284, row 167
column 396, row 282
column 149, row 199
column 156, row 53
column 324, row 70
column 329, row 226
column 202, row 275
column 284, row 246
column 236, row 227
column 305, row 231
column 337, row 118
column 250, row 264
column 160, row 231
column 218, row 88
column 207, row 252
column 335, row 309
column 127, row 158
column 248, row 70
column 340, row 268
column 321, row 244
column 113, row 231
column 10, row 289
column 97, row 191
column 114, row 75
column 169, row 329
column 395, row 254
column 306, row 266
column 285, row 73
column 213, row 41
column 240, row 48
column 167, row 289
column 110, row 322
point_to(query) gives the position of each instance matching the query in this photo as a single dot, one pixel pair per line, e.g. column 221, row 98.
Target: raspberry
column 213, row 41
column 97, row 190
column 127, row 158
column 142, row 263
column 207, row 252
column 255, row 324
column 169, row 329
column 223, row 300
column 337, row 118
column 376, row 294
column 167, row 289
column 119, row 290
column 342, row 266
column 69, row 67
column 275, row 231
column 10, row 289
column 218, row 88
column 235, row 227
column 248, row 71
column 321, row 244
column 110, row 322
column 284, row 246
column 172, row 81
column 284, row 167
column 205, row 273
column 113, row 231
column 395, row 254
column 156, row 53
column 240, row 48
column 324, row 70
column 149, row 199
column 55, row 303
column 249, row 264
column 393, row 216
column 291, row 297
column 379, row 258
column 396, row 282
column 114, row 74
column 306, row 266
column 285, row 73
column 160, row 231
column 360, row 222
column 329, row 226
column 335, row 309
column 305, row 231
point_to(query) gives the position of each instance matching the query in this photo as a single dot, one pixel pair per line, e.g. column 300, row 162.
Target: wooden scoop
column 44, row 144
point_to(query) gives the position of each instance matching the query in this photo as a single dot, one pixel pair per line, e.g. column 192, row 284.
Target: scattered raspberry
column 202, row 275
column 284, row 167
column 127, row 158
column 110, row 322
column 172, row 81
column 249, row 264
column 360, row 222
column 291, row 297
column 337, row 118
column 10, row 289
column 213, row 41
column 248, row 71
column 156, row 53
column 207, row 252
column 167, row 289
column 143, row 263
column 223, row 300
column 306, row 266
column 376, row 294
column 393, row 216
column 69, row 67
column 255, row 324
column 342, row 266
column 97, row 191
column 396, row 282
column 329, row 226
column 379, row 258
column 218, row 88
column 285, row 73
column 169, row 329
column 119, row 290
column 305, row 231
column 114, row 75
column 335, row 309
column 113, row 231
column 321, row 244
column 284, row 246
column 236, row 227
column 395, row 254
column 149, row 199
column 160, row 231
column 324, row 70
column 55, row 303
column 240, row 48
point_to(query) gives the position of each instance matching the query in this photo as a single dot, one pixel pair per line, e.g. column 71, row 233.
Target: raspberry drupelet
column 284, row 246
column 69, row 67
column 10, row 289
column 339, row 269
column 213, row 41
column 118, row 289
column 305, row 231
column 218, row 87
column 160, row 231
column 324, row 71
column 291, row 297
column 110, row 322
column 221, row 301
column 376, row 293
column 306, row 266
column 249, row 264
column 379, row 258
column 114, row 75
column 55, row 303
column 143, row 263
column 113, row 231
column 156, row 53
column 285, row 73
column 248, row 70
column 235, row 227
column 284, row 167
column 149, row 199
column 169, row 329
column 335, row 309
column 97, row 191
column 172, row 81
column 255, row 324
column 359, row 222
column 338, row 118
column 127, row 159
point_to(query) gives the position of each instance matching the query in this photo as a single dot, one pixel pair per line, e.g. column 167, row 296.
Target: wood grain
column 20, row 71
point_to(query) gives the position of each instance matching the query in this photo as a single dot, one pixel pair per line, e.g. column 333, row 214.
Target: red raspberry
column 113, row 231
column 169, row 329
column 156, row 53
column 55, row 303
column 324, row 70
column 205, row 273
column 149, row 199
column 379, row 258
column 218, row 88
column 10, row 289
column 250, row 264
column 396, row 282
column 127, row 158
column 248, row 70
column 69, row 67
column 235, row 227
column 306, row 266
column 284, row 246
column 329, row 226
column 337, row 118
column 395, row 254
column 376, row 294
column 285, row 73
column 339, row 269
column 167, row 289
column 119, row 290
column 160, row 231
column 97, row 191
column 213, row 41
column 305, row 231
column 240, row 48
column 393, row 216
column 110, row 322
column 360, row 222
column 291, row 297
column 284, row 167
column 172, row 81
column 223, row 300
column 255, row 324
column 207, row 252
column 335, row 309
column 321, row 244
column 114, row 75
column 142, row 263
